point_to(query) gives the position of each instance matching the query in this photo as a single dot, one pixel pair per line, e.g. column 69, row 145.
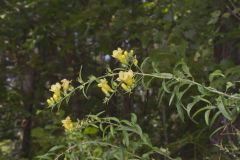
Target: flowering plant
column 125, row 79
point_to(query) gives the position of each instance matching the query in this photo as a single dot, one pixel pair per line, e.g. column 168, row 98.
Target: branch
column 232, row 10
column 232, row 13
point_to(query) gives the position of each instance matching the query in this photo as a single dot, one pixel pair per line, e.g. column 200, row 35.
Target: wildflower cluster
column 125, row 57
column 59, row 91
column 125, row 77
column 68, row 124
column 105, row 87
column 120, row 77
column 127, row 80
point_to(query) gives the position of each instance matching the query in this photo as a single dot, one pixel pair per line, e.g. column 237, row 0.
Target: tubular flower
column 56, row 97
column 55, row 88
column 66, row 85
column 135, row 61
column 125, row 87
column 67, row 123
column 120, row 55
column 50, row 101
column 127, row 79
column 105, row 87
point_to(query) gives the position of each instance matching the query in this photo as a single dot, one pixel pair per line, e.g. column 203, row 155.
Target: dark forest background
column 44, row 41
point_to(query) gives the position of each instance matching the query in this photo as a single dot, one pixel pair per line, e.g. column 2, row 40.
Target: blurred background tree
column 44, row 41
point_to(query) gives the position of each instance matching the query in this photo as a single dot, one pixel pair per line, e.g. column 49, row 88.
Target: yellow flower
column 50, row 102
column 135, row 61
column 117, row 52
column 131, row 53
column 66, row 84
column 67, row 123
column 105, row 87
column 127, row 79
column 125, row 87
column 56, row 97
column 120, row 55
column 55, row 88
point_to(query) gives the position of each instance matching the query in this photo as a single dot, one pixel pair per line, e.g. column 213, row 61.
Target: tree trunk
column 28, row 100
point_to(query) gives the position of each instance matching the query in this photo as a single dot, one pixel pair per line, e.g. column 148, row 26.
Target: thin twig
column 232, row 10
column 232, row 13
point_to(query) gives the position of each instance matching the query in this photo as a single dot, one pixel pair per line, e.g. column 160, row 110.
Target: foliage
column 105, row 138
column 218, row 103
column 43, row 42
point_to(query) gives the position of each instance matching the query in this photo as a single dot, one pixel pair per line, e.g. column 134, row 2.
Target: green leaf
column 216, row 13
column 133, row 118
column 214, row 118
column 165, row 87
column 196, row 100
column 90, row 131
column 112, row 131
column 225, row 112
column 139, row 130
column 203, row 90
column 149, row 5
column 189, row 107
column 226, row 15
column 163, row 75
column 55, row 148
column 171, row 99
column 114, row 119
column 125, row 138
column 186, row 70
column 97, row 152
column 217, row 130
column 216, row 73
column 84, row 93
column 214, row 17
column 202, row 109
column 127, row 122
column 45, row 156
column 80, row 80
column 180, row 111
column 229, row 85
column 145, row 64
column 206, row 116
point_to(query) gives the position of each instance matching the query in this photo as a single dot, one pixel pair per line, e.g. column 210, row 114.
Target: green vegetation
column 122, row 79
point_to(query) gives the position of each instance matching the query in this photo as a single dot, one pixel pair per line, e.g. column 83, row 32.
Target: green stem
column 210, row 89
